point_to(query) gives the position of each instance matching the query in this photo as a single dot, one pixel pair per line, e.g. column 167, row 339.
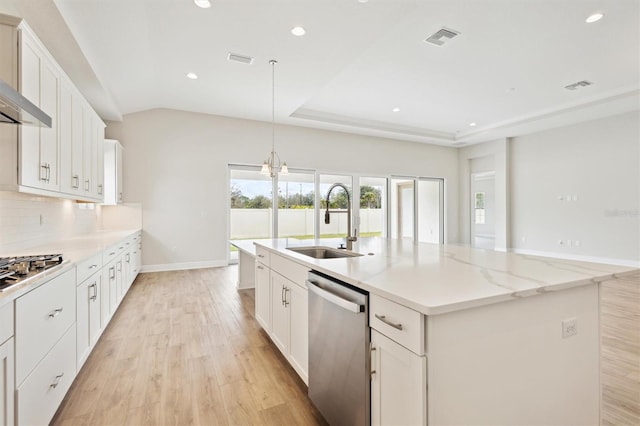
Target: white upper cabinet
column 39, row 82
column 65, row 160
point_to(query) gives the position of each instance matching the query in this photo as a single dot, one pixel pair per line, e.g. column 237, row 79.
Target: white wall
column 175, row 164
column 599, row 162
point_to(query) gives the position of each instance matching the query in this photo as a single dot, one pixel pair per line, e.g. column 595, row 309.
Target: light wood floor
column 620, row 351
column 184, row 348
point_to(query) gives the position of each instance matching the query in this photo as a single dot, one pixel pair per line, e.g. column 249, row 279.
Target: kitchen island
column 498, row 338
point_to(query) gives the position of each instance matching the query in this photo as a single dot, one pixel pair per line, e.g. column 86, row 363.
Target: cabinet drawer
column 88, row 267
column 112, row 252
column 263, row 255
column 42, row 317
column 40, row 395
column 399, row 323
column 291, row 270
column 6, row 322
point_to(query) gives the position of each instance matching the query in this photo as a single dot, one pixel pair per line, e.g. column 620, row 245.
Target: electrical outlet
column 576, row 243
column 560, row 242
column 569, row 327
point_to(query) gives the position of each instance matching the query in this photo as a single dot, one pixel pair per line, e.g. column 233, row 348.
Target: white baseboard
column 594, row 259
column 183, row 266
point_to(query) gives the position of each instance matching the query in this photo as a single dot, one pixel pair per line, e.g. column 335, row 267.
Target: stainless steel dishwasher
column 339, row 380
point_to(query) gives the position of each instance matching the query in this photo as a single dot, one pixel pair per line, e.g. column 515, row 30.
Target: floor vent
column 240, row 58
column 578, row 85
column 441, row 36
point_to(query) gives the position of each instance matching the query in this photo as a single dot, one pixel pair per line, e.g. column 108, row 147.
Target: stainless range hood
column 16, row 109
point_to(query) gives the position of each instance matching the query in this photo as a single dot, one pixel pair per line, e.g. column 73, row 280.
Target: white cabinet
column 42, row 392
column 299, row 330
column 42, row 316
column 398, row 384
column 39, row 82
column 7, row 383
column 113, row 172
column 7, row 365
column 88, row 325
column 280, row 286
column 398, row 364
column 65, row 160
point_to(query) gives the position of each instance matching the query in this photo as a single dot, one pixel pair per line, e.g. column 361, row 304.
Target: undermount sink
column 320, row 252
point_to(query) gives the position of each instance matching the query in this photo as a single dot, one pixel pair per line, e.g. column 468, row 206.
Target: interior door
column 405, row 210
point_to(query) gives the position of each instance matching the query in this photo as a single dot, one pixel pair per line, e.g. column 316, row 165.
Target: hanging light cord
column 273, row 63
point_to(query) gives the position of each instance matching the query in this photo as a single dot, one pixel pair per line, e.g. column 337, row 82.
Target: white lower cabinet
column 42, row 392
column 398, row 383
column 7, row 383
column 281, row 307
column 88, row 300
column 289, row 322
column 42, row 316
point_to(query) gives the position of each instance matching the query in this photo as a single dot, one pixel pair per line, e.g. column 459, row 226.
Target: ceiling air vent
column 578, row 85
column 240, row 58
column 441, row 36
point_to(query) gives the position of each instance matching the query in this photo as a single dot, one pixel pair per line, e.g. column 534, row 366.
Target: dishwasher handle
column 336, row 300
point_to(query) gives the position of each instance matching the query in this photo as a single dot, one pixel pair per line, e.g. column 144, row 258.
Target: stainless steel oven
column 339, row 380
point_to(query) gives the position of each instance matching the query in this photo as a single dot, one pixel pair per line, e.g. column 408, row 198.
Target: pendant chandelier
column 272, row 165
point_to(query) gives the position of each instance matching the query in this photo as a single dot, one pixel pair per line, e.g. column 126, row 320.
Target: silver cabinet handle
column 260, row 267
column 93, row 266
column 95, row 291
column 48, row 172
column 55, row 312
column 75, row 178
column 43, row 176
column 120, row 196
column 282, row 295
column 371, row 349
column 286, row 290
column 112, row 273
column 56, row 381
column 384, row 319
column 100, row 189
column 261, row 255
column 112, row 253
column 120, row 248
column 87, row 185
column 128, row 258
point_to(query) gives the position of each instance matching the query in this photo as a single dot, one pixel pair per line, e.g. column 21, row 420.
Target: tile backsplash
column 27, row 220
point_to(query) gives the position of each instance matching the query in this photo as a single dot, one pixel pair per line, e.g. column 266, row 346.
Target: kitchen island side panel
column 508, row 363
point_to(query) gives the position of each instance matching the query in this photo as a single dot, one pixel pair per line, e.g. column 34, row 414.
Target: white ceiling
column 506, row 71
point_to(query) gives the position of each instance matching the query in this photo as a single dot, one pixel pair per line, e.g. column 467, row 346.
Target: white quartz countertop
column 73, row 250
column 435, row 279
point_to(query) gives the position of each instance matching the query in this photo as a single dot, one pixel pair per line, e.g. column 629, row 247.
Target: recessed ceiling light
column 396, row 109
column 205, row 4
column 298, row 31
column 192, row 76
column 594, row 17
column 472, row 124
column 363, row 1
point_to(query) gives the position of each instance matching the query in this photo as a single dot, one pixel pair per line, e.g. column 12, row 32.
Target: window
column 296, row 204
column 479, row 208
column 373, row 206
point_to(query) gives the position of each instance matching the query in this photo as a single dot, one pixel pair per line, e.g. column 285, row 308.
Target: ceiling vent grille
column 441, row 36
column 578, row 85
column 240, row 58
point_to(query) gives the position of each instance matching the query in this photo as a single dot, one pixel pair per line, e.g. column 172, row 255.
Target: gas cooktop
column 18, row 270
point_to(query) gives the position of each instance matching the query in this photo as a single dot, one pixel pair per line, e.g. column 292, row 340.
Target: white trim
column 183, row 266
column 611, row 261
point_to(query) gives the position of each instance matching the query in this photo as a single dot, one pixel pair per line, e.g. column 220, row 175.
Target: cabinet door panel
column 49, row 137
column 76, row 143
column 299, row 338
column 32, row 172
column 263, row 296
column 66, row 138
column 95, row 301
column 399, row 384
column 7, row 383
column 82, row 323
column 279, row 312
